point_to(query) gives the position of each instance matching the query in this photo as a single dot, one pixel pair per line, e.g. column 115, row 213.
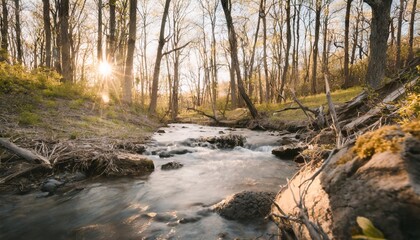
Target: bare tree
column 47, row 30
column 99, row 44
column 128, row 76
column 65, row 42
column 378, row 41
column 112, row 27
column 227, row 5
column 318, row 8
column 18, row 32
column 411, row 30
column 4, row 32
column 346, row 45
column 288, row 44
column 156, row 71
column 399, row 32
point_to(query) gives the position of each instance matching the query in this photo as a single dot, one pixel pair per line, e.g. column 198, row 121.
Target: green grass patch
column 50, row 103
column 314, row 101
column 75, row 104
column 28, row 118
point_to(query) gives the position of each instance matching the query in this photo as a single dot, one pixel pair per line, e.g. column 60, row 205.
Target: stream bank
column 165, row 203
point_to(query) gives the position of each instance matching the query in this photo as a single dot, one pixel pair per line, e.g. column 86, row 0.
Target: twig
column 324, row 164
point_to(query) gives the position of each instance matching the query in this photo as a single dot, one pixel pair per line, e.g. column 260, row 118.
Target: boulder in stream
column 289, row 151
column 246, row 205
column 171, row 166
column 226, row 141
column 51, row 185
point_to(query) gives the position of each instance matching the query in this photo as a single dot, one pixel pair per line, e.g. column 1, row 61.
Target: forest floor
column 71, row 126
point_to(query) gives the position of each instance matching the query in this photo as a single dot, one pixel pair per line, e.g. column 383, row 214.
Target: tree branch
column 176, row 49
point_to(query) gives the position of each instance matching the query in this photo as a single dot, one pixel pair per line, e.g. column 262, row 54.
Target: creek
column 163, row 205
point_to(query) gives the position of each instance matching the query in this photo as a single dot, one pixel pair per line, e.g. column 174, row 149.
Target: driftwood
column 304, row 108
column 204, row 114
column 333, row 113
column 314, row 229
column 24, row 153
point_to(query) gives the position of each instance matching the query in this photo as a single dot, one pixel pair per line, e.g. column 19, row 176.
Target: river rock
column 180, row 151
column 160, row 131
column 383, row 188
column 51, row 185
column 226, row 141
column 165, row 154
column 132, row 147
column 288, row 151
column 171, row 166
column 126, row 164
column 246, row 205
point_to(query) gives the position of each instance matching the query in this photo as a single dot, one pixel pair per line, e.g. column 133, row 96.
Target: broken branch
column 24, row 153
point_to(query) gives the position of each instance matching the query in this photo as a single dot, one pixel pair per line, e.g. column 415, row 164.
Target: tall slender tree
column 128, row 76
column 378, row 41
column 65, row 42
column 399, row 32
column 159, row 54
column 112, row 23
column 99, row 44
column 18, row 32
column 346, row 45
column 4, row 32
column 411, row 30
column 318, row 8
column 288, row 44
column 47, row 30
column 227, row 6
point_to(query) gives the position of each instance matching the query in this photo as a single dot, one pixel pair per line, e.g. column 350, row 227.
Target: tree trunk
column 47, row 29
column 18, row 32
column 411, row 31
column 111, row 44
column 131, row 45
column 288, row 44
column 399, row 30
column 175, row 88
column 251, row 62
column 378, row 41
column 315, row 47
column 4, row 34
column 233, row 93
column 356, row 33
column 346, row 45
column 267, row 80
column 156, row 71
column 226, row 4
column 99, row 47
column 65, row 42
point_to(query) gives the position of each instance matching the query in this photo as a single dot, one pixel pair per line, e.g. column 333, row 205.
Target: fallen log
column 24, row 153
column 204, row 114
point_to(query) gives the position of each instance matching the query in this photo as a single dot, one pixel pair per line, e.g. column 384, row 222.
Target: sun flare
column 105, row 68
column 105, row 98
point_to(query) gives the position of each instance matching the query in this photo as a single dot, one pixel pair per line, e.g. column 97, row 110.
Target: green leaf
column 368, row 229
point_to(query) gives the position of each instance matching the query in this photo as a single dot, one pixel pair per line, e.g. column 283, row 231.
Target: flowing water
column 164, row 205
